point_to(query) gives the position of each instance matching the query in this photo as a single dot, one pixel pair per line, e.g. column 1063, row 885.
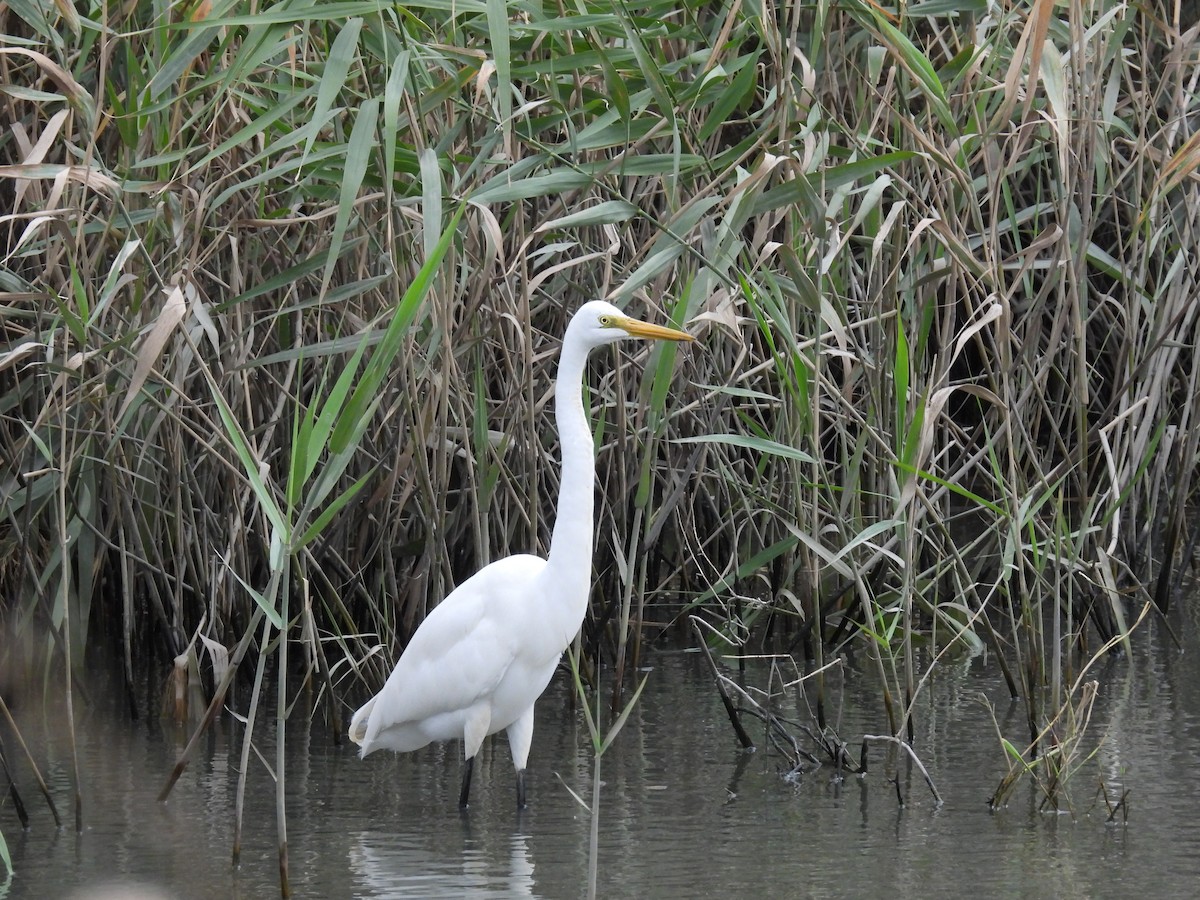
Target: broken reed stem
column 13, row 793
column 311, row 639
column 37, row 773
column 247, row 742
column 214, row 705
column 1121, row 805
column 730, row 710
column 912, row 754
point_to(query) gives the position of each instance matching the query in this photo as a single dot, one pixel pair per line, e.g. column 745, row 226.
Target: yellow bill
column 639, row 329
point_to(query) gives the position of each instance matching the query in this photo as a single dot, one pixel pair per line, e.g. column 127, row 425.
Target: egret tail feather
column 358, row 725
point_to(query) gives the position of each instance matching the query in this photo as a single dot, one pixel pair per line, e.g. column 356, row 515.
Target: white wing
column 457, row 657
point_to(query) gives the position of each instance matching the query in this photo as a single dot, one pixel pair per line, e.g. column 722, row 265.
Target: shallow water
column 684, row 812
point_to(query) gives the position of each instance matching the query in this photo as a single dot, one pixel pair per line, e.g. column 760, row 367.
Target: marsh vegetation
column 281, row 289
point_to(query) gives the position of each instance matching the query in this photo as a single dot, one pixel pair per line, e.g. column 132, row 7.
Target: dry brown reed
column 941, row 261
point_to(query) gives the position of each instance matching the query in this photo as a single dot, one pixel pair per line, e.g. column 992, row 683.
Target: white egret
column 482, row 657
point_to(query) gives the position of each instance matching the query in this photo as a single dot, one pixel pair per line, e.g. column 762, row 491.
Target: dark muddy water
column 684, row 813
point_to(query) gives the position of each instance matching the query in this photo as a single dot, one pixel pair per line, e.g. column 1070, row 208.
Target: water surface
column 684, row 812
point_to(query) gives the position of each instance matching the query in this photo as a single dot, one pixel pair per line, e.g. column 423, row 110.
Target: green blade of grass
column 332, row 510
column 616, row 727
column 358, row 154
column 333, row 78
column 497, row 24
column 261, row 602
column 748, row 442
column 233, row 431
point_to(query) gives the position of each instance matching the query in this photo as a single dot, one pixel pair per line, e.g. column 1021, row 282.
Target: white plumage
column 483, row 656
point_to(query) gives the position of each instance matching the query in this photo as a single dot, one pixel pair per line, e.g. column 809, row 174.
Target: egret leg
column 473, row 734
column 466, row 783
column 520, row 736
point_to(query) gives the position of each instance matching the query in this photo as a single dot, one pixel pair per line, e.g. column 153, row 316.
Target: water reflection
column 385, row 865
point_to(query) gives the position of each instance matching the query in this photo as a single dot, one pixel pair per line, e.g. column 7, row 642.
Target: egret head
column 597, row 323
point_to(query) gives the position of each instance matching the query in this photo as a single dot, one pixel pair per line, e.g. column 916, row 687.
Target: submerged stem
column 285, row 888
column 244, row 767
column 594, row 840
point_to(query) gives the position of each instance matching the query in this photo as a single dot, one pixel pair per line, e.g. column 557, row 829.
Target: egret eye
column 606, row 321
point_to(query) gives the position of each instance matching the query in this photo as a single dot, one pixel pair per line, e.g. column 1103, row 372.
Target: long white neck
column 570, row 559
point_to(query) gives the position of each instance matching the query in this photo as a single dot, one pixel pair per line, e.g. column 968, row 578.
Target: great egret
column 487, row 651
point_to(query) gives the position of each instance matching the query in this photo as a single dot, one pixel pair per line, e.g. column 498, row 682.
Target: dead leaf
column 172, row 313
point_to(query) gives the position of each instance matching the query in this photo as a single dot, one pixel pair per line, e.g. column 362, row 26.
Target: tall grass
column 941, row 259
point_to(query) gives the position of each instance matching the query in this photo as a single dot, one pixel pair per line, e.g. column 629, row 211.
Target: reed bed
column 280, row 293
